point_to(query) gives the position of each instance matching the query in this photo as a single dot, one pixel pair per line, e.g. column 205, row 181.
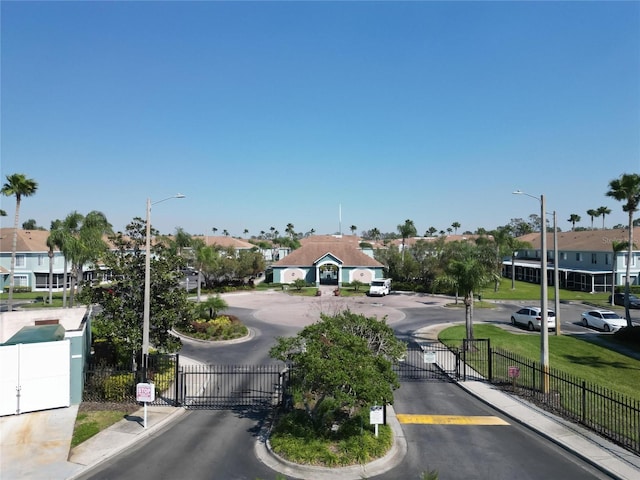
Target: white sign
column 429, row 357
column 376, row 415
column 145, row 392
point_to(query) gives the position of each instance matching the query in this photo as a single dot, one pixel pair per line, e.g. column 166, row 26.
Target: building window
column 578, row 257
column 607, row 259
column 41, row 260
column 563, row 255
column 594, row 258
column 20, row 261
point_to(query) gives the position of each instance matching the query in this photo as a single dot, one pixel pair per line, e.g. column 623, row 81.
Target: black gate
column 428, row 361
column 231, row 386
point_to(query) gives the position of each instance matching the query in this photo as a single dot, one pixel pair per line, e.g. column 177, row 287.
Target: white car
column 531, row 317
column 604, row 320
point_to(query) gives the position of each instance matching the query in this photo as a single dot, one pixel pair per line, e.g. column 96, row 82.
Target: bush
column 119, row 388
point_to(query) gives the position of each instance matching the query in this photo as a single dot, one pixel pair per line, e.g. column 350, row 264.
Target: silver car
column 604, row 320
column 531, row 317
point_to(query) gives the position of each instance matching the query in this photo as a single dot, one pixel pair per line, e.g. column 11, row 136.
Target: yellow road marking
column 449, row 419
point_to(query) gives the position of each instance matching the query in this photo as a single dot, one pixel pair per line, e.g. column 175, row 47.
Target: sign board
column 376, row 415
column 429, row 357
column 145, row 392
column 514, row 372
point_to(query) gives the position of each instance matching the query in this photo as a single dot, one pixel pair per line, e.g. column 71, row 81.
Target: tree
column 53, row 241
column 353, row 229
column 120, row 320
column 181, row 240
column 342, row 363
column 616, row 247
column 245, row 232
column 225, row 232
column 290, row 230
column 299, row 284
column 212, row 306
column 431, row 231
column 31, row 225
column 467, row 271
column 375, row 234
column 17, row 185
column 406, row 230
column 455, row 226
column 602, row 212
column 573, row 218
column 86, row 244
column 626, row 189
column 593, row 214
column 214, row 229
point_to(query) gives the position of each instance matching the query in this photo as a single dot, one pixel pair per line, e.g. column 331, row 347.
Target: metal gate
column 231, row 386
column 428, row 361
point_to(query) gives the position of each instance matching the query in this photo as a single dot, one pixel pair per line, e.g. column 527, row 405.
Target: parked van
column 380, row 287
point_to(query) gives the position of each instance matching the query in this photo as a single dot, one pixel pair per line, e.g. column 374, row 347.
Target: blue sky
column 319, row 114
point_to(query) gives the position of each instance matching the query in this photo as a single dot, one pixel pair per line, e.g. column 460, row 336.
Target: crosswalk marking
column 449, row 419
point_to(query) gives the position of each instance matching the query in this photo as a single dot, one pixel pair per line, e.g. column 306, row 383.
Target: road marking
column 449, row 419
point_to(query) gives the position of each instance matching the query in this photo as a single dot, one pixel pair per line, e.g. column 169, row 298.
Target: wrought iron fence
column 117, row 383
column 610, row 414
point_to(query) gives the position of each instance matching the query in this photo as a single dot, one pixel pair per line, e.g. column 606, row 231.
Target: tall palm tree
column 616, row 247
column 626, row 189
column 602, row 212
column 53, row 241
column 573, row 218
column 214, row 229
column 592, row 213
column 18, row 185
column 225, row 232
column 375, row 234
column 406, row 230
column 353, row 229
column 182, row 240
column 64, row 241
column 245, row 232
column 290, row 230
column 456, row 226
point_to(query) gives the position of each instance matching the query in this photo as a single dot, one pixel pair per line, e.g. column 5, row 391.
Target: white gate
column 35, row 376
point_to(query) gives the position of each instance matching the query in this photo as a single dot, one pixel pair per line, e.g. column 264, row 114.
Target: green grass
column 531, row 291
column 600, row 365
column 89, row 423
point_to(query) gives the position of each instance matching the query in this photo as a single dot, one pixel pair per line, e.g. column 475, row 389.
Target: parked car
column 604, row 320
column 618, row 299
column 531, row 317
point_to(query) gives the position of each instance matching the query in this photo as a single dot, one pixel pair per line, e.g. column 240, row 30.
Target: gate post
column 176, row 380
column 489, row 361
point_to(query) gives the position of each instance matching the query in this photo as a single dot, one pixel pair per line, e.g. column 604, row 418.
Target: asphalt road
column 210, row 444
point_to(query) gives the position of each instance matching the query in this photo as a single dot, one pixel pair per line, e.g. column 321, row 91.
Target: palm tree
column 375, row 234
column 245, row 232
column 214, row 230
column 406, row 230
column 573, row 218
column 603, row 211
column 467, row 271
column 87, row 245
column 431, row 231
column 617, row 247
column 18, row 185
column 456, row 226
column 290, row 230
column 53, row 241
column 353, row 229
column 626, row 189
column 592, row 213
column 181, row 240
column 225, row 232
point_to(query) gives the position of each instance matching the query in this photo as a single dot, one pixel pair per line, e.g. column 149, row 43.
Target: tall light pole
column 556, row 275
column 147, row 282
column 544, row 327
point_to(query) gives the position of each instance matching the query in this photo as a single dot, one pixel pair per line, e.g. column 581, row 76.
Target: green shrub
column 120, row 387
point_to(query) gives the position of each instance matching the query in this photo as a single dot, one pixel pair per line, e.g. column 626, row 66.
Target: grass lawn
column 93, row 418
column 600, row 365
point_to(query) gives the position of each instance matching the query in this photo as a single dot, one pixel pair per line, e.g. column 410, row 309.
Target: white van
column 380, row 287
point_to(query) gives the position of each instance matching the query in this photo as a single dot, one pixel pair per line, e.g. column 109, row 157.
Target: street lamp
column 147, row 282
column 544, row 330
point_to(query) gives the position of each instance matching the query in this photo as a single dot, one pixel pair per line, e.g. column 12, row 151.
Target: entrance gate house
column 231, row 386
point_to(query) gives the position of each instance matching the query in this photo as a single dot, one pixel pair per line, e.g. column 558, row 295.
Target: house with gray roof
column 327, row 261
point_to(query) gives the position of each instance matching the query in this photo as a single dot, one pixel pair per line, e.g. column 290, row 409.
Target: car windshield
column 610, row 315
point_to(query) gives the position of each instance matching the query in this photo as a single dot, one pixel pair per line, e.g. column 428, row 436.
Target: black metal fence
column 117, row 383
column 610, row 414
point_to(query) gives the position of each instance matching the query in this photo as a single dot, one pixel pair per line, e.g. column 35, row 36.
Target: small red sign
column 514, row 372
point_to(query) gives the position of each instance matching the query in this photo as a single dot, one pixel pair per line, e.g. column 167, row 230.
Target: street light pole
column 556, row 275
column 147, row 284
column 544, row 327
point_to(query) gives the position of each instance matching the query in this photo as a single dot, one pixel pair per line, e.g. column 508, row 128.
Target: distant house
column 331, row 260
column 585, row 260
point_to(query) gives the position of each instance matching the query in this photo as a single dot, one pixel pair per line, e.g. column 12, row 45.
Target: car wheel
column 585, row 323
column 531, row 327
column 513, row 321
column 607, row 328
